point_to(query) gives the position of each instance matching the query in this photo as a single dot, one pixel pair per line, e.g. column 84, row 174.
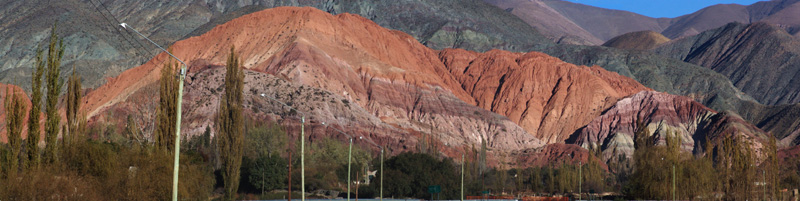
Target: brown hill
column 662, row 114
column 548, row 20
column 549, row 98
column 342, row 69
column 606, row 23
column 640, row 40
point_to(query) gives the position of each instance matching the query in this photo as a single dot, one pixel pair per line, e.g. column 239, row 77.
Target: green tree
column 268, row 172
column 32, row 145
column 53, row 83
column 265, row 140
column 735, row 161
column 166, row 114
column 411, row 173
column 73, row 104
column 15, row 114
column 230, row 126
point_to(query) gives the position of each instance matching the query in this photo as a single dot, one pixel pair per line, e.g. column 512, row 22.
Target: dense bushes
column 91, row 170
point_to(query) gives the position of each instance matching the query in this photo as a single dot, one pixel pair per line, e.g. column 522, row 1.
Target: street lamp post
column 381, row 170
column 302, row 147
column 181, row 77
column 349, row 158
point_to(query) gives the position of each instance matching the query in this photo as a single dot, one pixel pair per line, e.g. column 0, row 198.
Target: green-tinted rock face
column 760, row 59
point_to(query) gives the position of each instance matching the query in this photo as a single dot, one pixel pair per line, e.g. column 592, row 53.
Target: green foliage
column 15, row 115
column 265, row 140
column 32, row 145
column 326, row 162
column 166, row 114
column 411, row 173
column 107, row 171
column 230, row 126
column 73, row 105
column 267, row 172
column 53, row 83
column 734, row 163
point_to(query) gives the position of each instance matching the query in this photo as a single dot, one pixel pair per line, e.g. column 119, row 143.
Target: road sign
column 435, row 189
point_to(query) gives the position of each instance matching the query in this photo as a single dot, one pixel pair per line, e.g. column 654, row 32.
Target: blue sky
column 660, row 8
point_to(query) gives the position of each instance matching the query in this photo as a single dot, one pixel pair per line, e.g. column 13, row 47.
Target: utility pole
column 302, row 158
column 381, row 175
column 290, row 176
column 181, row 77
column 462, row 177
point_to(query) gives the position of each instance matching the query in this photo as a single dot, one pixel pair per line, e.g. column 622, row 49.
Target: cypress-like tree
column 73, row 106
column 167, row 107
column 51, row 127
column 32, row 145
column 230, row 126
column 15, row 114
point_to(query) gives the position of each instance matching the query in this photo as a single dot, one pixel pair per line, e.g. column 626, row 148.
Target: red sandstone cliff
column 549, row 98
column 662, row 113
column 342, row 69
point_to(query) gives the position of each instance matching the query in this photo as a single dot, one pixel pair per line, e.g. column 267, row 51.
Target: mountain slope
column 549, row 98
column 640, row 40
column 760, row 59
column 99, row 48
column 342, row 69
column 662, row 114
column 549, row 21
column 580, row 24
column 606, row 23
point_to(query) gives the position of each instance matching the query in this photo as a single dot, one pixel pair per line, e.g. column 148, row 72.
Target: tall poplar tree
column 15, row 114
column 32, row 145
column 167, row 107
column 73, row 106
column 230, row 126
column 51, row 127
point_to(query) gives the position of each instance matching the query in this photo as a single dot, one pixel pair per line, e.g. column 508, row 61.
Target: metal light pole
column 181, row 77
column 380, row 147
column 580, row 177
column 302, row 147
column 673, row 181
column 462, row 177
column 381, row 194
column 302, row 158
column 349, row 158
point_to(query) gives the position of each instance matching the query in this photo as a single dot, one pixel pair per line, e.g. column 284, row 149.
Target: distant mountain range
column 588, row 25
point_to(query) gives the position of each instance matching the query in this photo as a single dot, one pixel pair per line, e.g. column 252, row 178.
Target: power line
column 129, row 34
column 117, row 30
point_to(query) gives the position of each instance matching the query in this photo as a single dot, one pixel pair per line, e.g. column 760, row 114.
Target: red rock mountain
column 549, row 98
column 374, row 82
column 349, row 71
column 342, row 69
column 661, row 114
